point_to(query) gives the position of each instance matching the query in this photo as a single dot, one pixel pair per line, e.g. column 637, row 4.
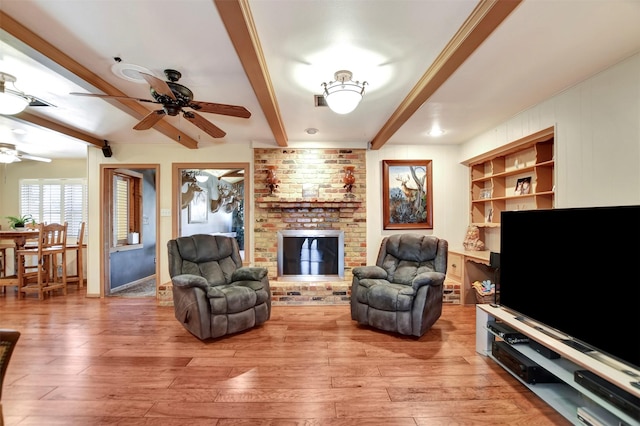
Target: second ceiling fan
column 174, row 98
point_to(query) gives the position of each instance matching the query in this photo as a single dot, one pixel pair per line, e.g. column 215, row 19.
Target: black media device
column 543, row 350
column 622, row 399
column 565, row 268
column 521, row 365
column 507, row 333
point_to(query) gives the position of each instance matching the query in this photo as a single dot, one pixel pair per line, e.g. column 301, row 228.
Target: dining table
column 19, row 238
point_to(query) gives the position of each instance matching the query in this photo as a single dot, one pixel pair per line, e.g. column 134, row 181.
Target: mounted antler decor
column 189, row 178
column 272, row 180
column 229, row 199
column 349, row 179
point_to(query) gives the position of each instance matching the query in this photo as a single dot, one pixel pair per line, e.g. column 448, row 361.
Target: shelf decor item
column 472, row 241
column 272, row 180
column 349, row 179
column 407, row 197
column 485, row 193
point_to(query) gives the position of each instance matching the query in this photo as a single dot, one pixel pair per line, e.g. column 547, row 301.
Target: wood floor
column 127, row 361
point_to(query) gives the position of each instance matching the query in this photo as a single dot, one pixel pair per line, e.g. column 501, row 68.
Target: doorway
column 209, row 198
column 130, row 229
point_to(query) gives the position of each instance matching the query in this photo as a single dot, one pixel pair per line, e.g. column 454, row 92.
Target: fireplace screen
column 311, row 255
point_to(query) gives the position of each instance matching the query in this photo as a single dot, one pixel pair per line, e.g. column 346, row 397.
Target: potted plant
column 20, row 221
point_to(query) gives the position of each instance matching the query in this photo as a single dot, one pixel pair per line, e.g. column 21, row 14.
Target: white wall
column 164, row 155
column 450, row 183
column 597, row 140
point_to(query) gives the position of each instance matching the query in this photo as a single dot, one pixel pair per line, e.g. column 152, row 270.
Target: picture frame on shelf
column 407, row 196
column 523, row 186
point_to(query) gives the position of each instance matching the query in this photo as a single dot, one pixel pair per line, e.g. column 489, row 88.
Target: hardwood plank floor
column 127, row 361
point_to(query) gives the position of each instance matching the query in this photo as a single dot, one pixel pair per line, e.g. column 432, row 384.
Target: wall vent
column 319, row 101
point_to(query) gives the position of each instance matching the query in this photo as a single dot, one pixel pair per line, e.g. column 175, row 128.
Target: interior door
column 130, row 255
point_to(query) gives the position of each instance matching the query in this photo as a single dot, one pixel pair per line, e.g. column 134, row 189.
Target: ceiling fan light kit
column 11, row 101
column 9, row 154
column 343, row 95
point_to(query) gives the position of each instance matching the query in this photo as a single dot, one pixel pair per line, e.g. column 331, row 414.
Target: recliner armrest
column 249, row 273
column 190, row 280
column 428, row 278
column 369, row 271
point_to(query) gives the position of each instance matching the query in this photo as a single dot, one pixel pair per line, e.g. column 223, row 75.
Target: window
column 55, row 201
column 127, row 205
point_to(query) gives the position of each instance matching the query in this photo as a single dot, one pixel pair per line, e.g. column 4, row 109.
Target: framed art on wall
column 407, row 200
column 198, row 207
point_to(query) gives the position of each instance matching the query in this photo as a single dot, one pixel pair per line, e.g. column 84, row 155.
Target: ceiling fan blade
column 224, row 109
column 96, row 95
column 33, row 157
column 160, row 86
column 150, row 120
column 204, row 124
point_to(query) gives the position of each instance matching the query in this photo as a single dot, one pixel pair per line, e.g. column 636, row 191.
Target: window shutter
column 55, row 201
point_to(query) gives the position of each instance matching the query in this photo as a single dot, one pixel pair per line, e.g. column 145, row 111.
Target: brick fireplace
column 310, row 195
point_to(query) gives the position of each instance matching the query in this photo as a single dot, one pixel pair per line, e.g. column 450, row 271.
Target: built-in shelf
column 494, row 177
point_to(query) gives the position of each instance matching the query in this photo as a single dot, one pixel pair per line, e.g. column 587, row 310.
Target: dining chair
column 8, row 341
column 38, row 267
column 78, row 247
column 4, row 246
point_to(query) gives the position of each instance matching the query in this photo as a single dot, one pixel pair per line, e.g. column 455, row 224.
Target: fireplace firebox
column 310, row 255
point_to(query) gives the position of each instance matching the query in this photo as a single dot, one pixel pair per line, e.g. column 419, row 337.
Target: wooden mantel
column 328, row 203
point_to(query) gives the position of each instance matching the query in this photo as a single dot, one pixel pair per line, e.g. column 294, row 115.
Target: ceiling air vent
column 319, row 101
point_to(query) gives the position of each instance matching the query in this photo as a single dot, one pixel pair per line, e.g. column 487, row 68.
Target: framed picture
column 198, row 207
column 489, row 217
column 523, row 186
column 407, row 199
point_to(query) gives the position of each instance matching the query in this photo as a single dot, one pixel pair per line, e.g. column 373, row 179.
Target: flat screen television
column 576, row 271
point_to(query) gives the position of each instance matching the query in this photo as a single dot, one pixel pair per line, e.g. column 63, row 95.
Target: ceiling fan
column 174, row 98
column 9, row 154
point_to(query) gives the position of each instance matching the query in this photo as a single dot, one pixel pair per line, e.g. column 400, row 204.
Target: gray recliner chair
column 213, row 294
column 403, row 292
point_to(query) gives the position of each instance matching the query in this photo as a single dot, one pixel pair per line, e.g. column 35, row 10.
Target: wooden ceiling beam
column 56, row 127
column 133, row 108
column 238, row 21
column 484, row 19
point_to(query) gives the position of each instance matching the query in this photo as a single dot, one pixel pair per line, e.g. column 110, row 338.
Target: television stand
column 577, row 346
column 571, row 399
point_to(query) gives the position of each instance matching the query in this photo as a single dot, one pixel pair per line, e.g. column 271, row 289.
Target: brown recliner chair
column 213, row 294
column 403, row 292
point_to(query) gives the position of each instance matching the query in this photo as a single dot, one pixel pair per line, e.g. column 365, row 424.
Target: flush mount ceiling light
column 343, row 95
column 12, row 101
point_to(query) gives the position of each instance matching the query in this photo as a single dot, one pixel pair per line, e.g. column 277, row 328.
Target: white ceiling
column 541, row 48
